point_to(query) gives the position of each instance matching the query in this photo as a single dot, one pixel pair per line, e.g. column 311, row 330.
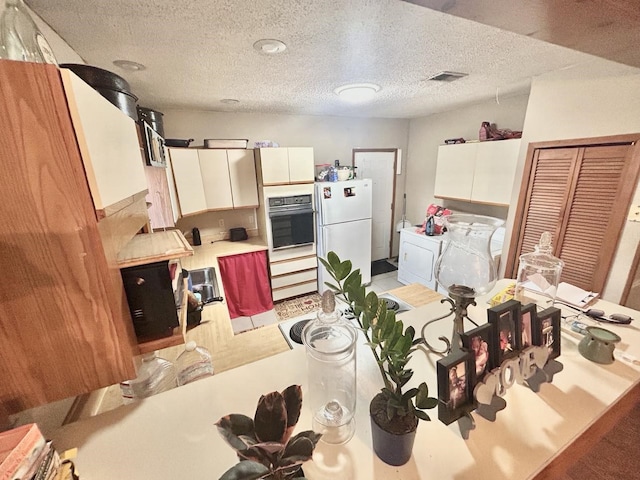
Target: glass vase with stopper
column 466, row 269
column 20, row 38
column 330, row 343
column 538, row 272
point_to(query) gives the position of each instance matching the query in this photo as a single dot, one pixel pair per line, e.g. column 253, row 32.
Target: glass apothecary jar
column 538, row 272
column 330, row 343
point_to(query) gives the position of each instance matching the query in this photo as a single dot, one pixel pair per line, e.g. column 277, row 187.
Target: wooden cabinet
column 65, row 324
column 108, row 143
column 212, row 179
column 480, row 172
column 579, row 191
column 285, row 165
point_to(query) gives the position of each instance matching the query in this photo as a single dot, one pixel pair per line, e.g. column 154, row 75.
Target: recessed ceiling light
column 270, row 46
column 229, row 100
column 357, row 92
column 129, row 65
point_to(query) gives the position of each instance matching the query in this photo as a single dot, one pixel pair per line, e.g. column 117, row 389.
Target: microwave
column 154, row 149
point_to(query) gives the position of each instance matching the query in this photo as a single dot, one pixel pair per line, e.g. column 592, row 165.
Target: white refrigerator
column 343, row 216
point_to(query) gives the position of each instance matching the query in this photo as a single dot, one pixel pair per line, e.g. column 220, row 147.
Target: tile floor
column 380, row 283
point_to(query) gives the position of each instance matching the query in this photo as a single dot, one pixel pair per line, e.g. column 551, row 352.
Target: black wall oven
column 291, row 221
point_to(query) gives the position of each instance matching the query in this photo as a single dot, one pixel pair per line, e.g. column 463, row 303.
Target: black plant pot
column 391, row 448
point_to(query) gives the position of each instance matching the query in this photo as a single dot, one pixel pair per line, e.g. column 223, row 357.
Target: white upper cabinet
column 454, row 172
column 188, row 180
column 301, row 168
column 275, row 165
column 108, row 142
column 215, row 179
column 242, row 174
column 481, row 172
column 495, row 171
column 286, row 165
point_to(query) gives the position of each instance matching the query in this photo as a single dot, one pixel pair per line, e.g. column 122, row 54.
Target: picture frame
column 480, row 342
column 456, row 374
column 528, row 315
column 547, row 330
column 506, row 320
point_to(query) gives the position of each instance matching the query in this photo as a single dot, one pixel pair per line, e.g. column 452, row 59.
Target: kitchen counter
column 172, row 435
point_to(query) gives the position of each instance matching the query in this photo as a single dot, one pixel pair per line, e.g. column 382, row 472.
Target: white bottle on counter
column 155, row 375
column 193, row 363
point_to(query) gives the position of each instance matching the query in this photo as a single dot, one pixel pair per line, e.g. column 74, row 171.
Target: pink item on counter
column 437, row 212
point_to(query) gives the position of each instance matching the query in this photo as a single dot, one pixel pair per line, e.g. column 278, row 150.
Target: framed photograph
column 456, row 374
column 527, row 315
column 480, row 342
column 546, row 330
column 506, row 320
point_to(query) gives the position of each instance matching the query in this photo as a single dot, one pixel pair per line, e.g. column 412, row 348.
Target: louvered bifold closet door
column 585, row 244
column 547, row 196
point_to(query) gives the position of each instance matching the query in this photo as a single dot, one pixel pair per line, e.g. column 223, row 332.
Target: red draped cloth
column 246, row 283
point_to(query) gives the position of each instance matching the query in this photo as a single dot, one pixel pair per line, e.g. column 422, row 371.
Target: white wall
column 427, row 133
column 582, row 108
column 331, row 138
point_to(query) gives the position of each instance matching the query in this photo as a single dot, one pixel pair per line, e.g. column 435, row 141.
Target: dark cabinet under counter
column 152, row 300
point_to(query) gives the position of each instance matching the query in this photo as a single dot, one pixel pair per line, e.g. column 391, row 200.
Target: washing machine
column 417, row 257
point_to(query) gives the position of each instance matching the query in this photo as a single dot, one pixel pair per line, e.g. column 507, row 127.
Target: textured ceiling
column 200, row 52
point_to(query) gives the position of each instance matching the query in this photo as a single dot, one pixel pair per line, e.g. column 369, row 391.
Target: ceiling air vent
column 447, row 76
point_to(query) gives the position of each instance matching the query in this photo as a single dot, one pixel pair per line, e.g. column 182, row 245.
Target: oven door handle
column 289, row 212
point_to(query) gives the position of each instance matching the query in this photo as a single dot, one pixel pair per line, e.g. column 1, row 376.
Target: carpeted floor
column 379, row 267
column 294, row 307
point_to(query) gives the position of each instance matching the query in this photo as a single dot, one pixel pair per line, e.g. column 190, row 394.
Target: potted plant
column 264, row 444
column 396, row 409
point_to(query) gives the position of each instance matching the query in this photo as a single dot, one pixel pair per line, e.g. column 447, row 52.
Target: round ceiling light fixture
column 357, row 92
column 230, row 101
column 270, row 46
column 129, row 65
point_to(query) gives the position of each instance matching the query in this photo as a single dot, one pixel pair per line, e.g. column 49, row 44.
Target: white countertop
column 172, row 435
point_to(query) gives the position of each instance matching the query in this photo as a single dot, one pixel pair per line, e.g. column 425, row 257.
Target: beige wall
column 427, row 133
column 564, row 109
column 331, row 138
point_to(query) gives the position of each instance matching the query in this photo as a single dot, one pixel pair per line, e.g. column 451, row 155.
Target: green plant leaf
column 245, row 470
column 293, row 403
column 270, row 421
column 343, row 270
column 298, row 449
column 422, row 415
column 332, row 286
column 232, row 427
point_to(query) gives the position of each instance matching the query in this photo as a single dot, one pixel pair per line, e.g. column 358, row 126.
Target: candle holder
column 466, row 269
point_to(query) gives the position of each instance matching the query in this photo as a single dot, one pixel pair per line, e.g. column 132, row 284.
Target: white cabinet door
column 108, row 142
column 215, row 179
column 301, row 167
column 242, row 174
column 455, row 170
column 495, row 171
column 188, row 180
column 173, row 196
column 274, row 163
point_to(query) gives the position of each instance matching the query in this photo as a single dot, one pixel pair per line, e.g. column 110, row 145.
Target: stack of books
column 26, row 455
